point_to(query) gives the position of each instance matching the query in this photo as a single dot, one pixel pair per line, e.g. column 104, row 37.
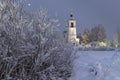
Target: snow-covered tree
column 97, row 71
column 29, row 47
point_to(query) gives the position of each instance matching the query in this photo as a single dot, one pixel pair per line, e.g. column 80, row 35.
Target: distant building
column 70, row 34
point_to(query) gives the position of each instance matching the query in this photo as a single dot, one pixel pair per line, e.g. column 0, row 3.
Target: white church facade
column 70, row 35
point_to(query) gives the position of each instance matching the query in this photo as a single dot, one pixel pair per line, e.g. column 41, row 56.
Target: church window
column 72, row 25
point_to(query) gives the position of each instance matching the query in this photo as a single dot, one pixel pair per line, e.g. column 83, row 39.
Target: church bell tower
column 71, row 31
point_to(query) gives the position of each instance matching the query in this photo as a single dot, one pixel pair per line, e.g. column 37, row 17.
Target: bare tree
column 116, row 40
column 98, row 33
column 85, row 36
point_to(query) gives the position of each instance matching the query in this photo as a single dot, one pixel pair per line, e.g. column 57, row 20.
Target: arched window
column 72, row 25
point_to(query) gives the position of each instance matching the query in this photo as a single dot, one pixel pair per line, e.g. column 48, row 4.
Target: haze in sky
column 87, row 12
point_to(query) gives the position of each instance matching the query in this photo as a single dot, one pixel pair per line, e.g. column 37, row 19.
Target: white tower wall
column 71, row 31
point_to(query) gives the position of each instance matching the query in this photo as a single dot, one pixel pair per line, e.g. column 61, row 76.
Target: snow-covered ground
column 96, row 65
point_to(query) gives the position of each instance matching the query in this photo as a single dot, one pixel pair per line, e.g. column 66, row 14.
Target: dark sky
column 87, row 12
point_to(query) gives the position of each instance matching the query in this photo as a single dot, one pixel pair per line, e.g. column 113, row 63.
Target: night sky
column 87, row 12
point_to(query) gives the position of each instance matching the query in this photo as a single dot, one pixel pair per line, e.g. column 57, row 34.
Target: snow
column 96, row 65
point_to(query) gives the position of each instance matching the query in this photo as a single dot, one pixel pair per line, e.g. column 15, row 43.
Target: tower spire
column 71, row 15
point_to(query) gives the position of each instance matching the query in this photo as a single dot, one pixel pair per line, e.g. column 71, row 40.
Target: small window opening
column 72, row 25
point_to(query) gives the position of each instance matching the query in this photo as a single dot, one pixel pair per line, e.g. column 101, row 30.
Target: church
column 70, row 35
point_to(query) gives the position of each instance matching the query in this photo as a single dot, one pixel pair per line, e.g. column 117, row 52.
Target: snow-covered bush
column 96, row 71
column 29, row 47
